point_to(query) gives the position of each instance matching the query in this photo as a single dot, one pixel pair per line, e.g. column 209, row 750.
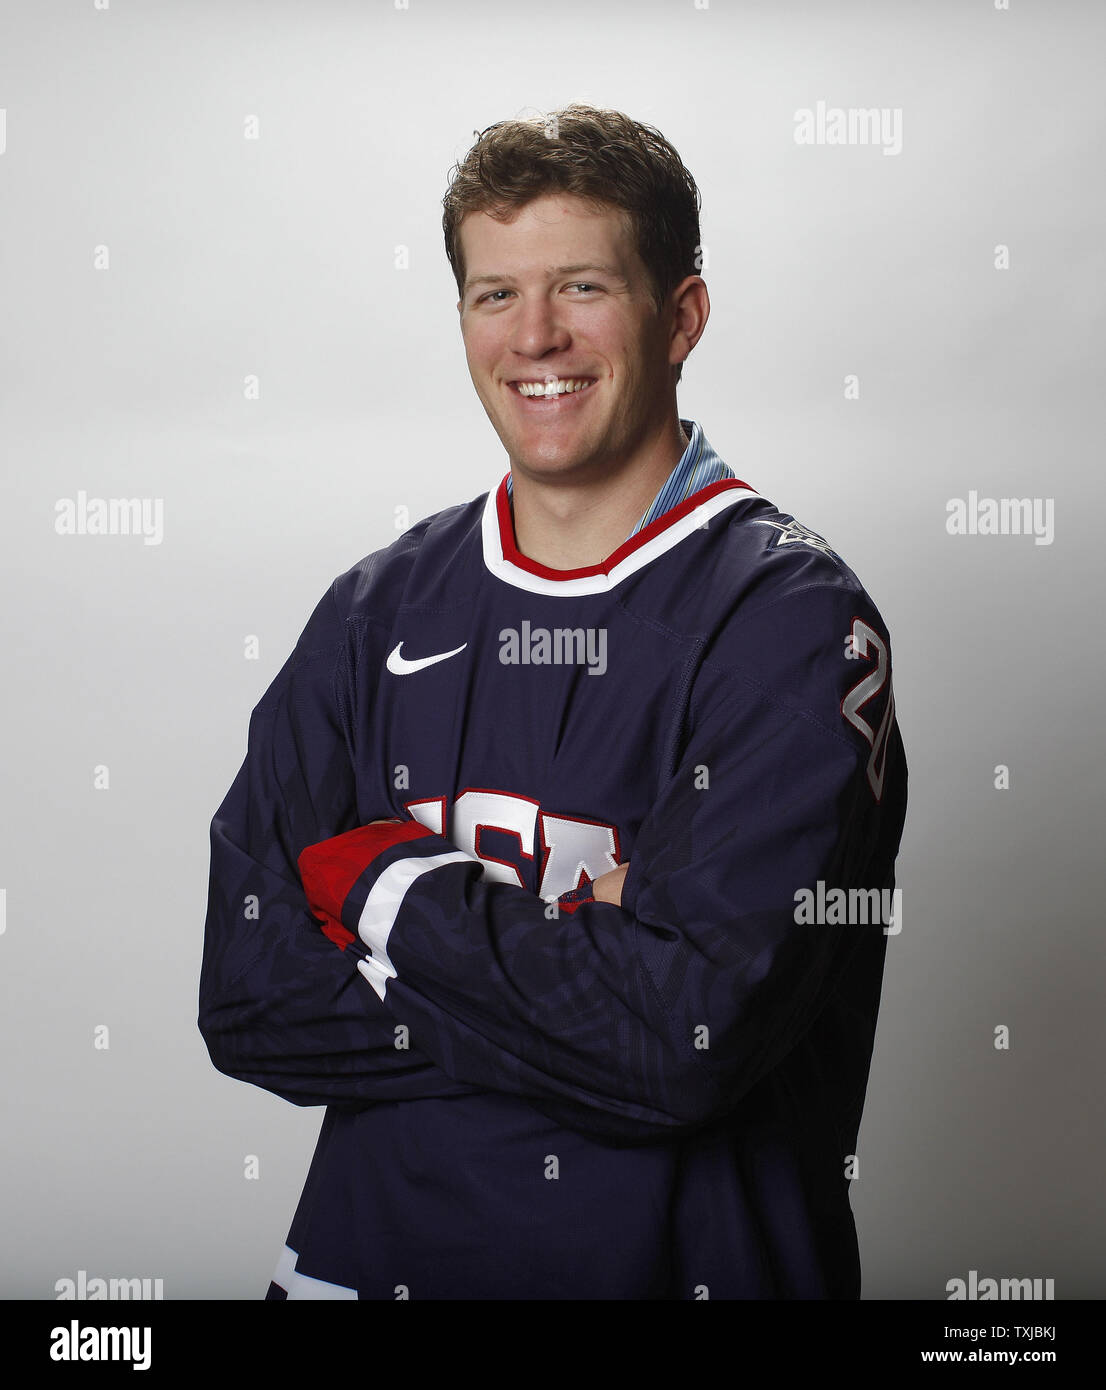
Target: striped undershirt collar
column 698, row 467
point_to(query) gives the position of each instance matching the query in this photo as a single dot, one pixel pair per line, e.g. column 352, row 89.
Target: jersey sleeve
column 279, row 1006
column 640, row 1020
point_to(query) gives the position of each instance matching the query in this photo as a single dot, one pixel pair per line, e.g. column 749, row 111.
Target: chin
column 549, row 465
column 547, row 457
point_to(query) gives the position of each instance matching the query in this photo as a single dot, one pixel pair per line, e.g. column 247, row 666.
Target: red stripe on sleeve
column 329, row 869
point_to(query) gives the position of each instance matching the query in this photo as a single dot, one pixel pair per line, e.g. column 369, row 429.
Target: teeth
column 558, row 387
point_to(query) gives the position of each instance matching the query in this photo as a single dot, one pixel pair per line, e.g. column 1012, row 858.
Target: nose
column 538, row 327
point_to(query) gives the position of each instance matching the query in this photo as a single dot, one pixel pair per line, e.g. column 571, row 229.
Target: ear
column 690, row 310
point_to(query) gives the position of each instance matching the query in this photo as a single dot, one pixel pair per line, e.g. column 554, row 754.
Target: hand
column 607, row 888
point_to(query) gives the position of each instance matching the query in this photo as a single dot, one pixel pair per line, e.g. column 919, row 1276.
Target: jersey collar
column 503, row 558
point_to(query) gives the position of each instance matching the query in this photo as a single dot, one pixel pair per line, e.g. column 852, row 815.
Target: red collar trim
column 514, row 556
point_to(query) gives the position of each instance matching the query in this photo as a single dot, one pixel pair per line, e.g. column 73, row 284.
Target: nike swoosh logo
column 400, row 666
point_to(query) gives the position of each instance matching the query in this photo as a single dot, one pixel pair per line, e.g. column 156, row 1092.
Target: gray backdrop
column 224, row 287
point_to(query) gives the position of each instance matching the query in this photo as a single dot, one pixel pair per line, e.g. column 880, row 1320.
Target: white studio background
column 197, row 197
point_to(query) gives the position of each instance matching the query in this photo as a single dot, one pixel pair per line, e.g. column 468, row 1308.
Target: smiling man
column 541, row 943
column 576, row 374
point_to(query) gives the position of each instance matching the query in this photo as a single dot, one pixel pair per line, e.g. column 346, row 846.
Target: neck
column 574, row 524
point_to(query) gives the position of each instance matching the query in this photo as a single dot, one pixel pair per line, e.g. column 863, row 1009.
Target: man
column 512, row 877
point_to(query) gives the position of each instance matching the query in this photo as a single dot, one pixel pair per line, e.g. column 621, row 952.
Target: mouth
column 552, row 391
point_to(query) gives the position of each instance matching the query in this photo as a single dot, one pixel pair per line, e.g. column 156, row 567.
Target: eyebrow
column 607, row 270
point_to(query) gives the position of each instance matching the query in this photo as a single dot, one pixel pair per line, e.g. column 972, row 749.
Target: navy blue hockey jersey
column 532, row 1094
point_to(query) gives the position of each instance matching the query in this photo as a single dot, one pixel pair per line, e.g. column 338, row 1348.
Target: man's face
column 559, row 294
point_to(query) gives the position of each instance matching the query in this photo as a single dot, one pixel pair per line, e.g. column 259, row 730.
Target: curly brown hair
column 602, row 156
